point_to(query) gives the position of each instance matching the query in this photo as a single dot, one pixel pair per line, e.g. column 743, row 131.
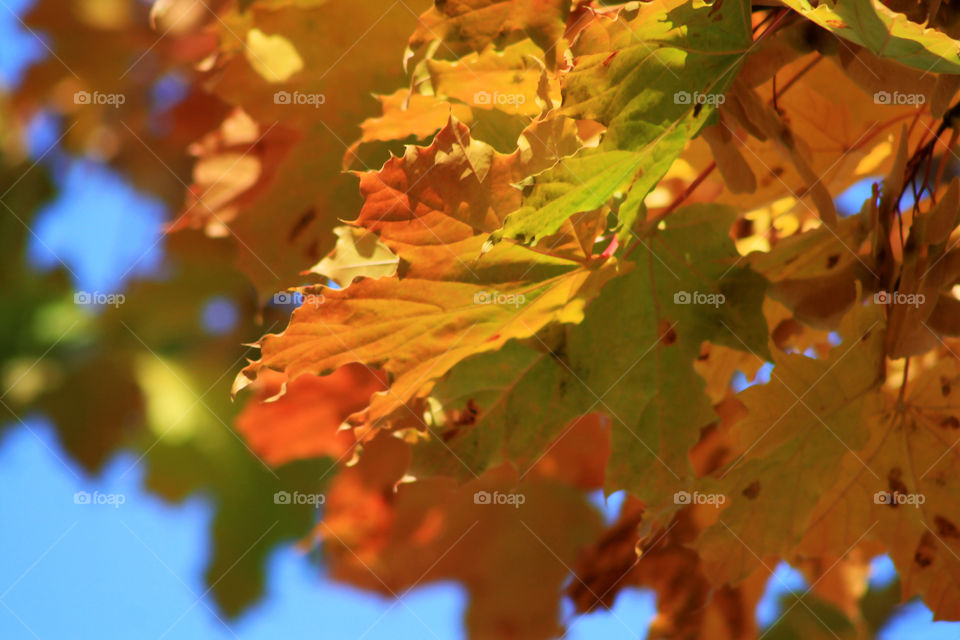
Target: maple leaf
column 685, row 287
column 497, row 534
column 794, row 434
column 509, row 80
column 613, row 211
column 305, row 421
column 885, row 32
column 474, row 24
column 105, row 91
column 816, row 273
column 903, row 493
column 921, row 300
column 653, row 74
column 829, row 105
column 281, row 229
column 235, row 166
column 447, row 302
column 406, row 115
column 358, row 254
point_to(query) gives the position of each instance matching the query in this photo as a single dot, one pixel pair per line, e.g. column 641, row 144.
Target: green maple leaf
column 653, row 75
column 885, row 33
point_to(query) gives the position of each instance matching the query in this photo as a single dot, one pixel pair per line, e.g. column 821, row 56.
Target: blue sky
column 104, row 571
column 135, row 570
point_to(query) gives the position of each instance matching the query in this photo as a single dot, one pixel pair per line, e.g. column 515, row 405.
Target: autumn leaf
column 282, row 231
column 475, row 24
column 797, row 428
column 358, row 254
column 815, row 273
column 515, row 73
column 635, row 71
column 902, row 495
column 885, row 32
column 406, row 115
column 447, row 302
column 632, row 553
column 671, row 313
column 842, row 131
column 496, row 526
column 305, row 421
column 701, row 253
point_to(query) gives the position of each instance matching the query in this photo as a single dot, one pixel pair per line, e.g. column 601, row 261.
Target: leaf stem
column 943, row 160
column 903, row 384
column 654, row 221
column 925, row 151
column 801, row 73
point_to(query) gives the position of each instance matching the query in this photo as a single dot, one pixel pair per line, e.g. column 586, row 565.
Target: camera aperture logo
column 696, row 297
column 898, row 98
column 685, row 97
column 685, row 497
column 299, row 98
column 112, row 99
column 896, row 498
column 497, row 497
column 495, row 98
column 495, row 297
column 285, row 298
column 297, row 498
column 896, row 297
column 97, row 498
column 98, row 299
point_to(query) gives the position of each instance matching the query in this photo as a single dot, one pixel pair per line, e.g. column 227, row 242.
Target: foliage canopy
column 537, row 247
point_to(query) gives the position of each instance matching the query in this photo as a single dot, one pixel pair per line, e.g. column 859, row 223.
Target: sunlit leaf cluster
column 538, row 249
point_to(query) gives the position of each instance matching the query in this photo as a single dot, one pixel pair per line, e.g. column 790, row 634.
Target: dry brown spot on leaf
column 464, row 418
column 894, row 481
column 946, row 528
column 926, row 551
column 668, row 332
column 950, row 422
